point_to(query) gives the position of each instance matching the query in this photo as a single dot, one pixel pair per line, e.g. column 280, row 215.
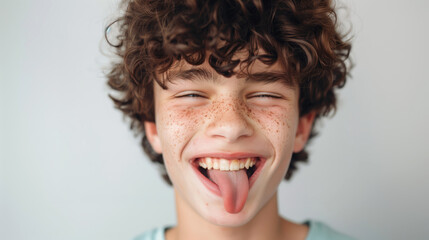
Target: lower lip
column 212, row 187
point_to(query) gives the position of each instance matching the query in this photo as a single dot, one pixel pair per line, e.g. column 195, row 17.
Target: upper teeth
column 226, row 165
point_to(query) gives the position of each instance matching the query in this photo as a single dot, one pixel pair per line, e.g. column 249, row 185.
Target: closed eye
column 189, row 95
column 193, row 95
column 265, row 95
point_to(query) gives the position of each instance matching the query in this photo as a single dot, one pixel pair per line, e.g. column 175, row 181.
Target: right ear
column 152, row 136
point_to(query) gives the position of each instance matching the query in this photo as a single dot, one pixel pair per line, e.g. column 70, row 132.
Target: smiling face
column 205, row 121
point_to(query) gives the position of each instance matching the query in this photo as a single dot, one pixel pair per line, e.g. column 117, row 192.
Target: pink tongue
column 234, row 187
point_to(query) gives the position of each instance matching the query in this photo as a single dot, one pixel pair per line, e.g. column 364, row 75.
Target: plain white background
column 71, row 169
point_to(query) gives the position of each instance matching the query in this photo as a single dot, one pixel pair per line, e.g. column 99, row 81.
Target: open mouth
column 230, row 179
column 251, row 165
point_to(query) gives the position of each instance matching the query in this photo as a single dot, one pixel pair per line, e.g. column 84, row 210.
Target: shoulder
column 154, row 234
column 321, row 231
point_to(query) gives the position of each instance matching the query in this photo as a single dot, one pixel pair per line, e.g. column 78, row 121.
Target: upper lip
column 226, row 155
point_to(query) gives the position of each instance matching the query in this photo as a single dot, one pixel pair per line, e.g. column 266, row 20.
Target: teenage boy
column 225, row 95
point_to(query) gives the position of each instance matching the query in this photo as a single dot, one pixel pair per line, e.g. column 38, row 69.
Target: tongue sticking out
column 234, row 187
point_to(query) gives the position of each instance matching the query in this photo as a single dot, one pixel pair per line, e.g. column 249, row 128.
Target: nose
column 230, row 122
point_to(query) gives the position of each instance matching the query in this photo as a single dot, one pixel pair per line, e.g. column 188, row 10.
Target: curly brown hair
column 302, row 35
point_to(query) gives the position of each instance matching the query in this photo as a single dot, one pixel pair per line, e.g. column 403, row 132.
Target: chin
column 220, row 217
column 229, row 220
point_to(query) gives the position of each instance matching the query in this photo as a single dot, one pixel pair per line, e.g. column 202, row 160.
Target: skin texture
column 212, row 114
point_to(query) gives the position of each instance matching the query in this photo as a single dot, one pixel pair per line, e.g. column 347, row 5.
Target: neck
column 267, row 224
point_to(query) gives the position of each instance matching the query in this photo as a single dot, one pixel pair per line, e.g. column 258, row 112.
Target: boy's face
column 203, row 114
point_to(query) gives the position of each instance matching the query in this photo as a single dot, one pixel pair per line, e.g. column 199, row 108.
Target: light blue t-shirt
column 317, row 231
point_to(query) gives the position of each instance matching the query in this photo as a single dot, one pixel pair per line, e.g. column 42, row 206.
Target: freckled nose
column 230, row 122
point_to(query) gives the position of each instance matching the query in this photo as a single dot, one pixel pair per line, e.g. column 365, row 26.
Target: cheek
column 278, row 123
column 178, row 126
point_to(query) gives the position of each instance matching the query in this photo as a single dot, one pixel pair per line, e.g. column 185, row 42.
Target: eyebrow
column 270, row 77
column 193, row 74
column 198, row 74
